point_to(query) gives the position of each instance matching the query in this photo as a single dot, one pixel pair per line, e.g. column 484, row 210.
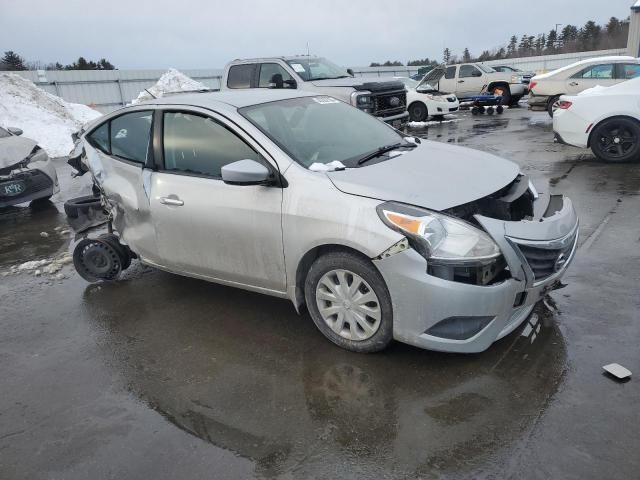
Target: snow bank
column 43, row 117
column 170, row 82
column 432, row 122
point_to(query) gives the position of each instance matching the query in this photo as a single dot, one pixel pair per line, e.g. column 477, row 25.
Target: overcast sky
column 208, row 33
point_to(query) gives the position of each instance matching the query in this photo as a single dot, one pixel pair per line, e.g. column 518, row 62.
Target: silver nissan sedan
column 379, row 235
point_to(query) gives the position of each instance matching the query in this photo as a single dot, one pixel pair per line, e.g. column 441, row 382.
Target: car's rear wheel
column 349, row 302
column 506, row 93
column 418, row 112
column 616, row 140
column 553, row 104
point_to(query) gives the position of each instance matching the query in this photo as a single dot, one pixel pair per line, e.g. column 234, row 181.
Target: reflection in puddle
column 245, row 373
column 20, row 233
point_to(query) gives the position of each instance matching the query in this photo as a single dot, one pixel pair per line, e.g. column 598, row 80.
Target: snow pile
column 327, row 167
column 172, row 81
column 43, row 117
column 429, row 123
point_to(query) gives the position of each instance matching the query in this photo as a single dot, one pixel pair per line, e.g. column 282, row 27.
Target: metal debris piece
column 617, row 371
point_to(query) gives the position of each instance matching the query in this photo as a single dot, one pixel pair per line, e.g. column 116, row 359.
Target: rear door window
column 604, row 71
column 199, row 145
column 241, row 76
column 130, row 136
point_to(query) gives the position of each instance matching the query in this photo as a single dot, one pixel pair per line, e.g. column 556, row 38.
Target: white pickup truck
column 385, row 98
column 471, row 79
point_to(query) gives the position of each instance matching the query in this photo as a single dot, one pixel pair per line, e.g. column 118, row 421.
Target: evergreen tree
column 12, row 61
column 511, row 48
column 552, row 42
column 446, row 56
column 466, row 55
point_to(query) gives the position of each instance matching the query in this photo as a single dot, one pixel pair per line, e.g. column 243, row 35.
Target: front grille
column 544, row 262
column 34, row 181
column 384, row 105
column 453, row 109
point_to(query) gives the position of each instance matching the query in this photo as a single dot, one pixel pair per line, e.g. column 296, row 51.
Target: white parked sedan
column 607, row 120
column 424, row 100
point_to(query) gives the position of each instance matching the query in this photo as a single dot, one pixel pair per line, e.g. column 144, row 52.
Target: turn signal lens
column 532, row 85
column 564, row 104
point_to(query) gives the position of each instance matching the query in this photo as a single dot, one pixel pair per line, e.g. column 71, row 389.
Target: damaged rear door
column 119, row 157
column 205, row 226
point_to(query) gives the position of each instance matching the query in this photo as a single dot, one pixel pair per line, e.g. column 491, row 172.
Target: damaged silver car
column 379, row 235
column 26, row 173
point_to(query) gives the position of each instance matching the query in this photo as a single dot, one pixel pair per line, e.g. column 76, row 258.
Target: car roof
column 587, row 62
column 267, row 59
column 235, row 98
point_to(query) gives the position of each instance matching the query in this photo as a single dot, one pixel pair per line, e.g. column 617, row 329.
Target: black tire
column 552, row 105
column 490, row 111
column 475, row 111
column 616, row 140
column 41, row 202
column 499, row 109
column 506, row 94
column 418, row 112
column 362, row 267
column 81, row 205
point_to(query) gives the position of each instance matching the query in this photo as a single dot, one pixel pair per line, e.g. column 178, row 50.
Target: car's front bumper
column 40, row 179
column 398, row 120
column 518, row 89
column 421, row 301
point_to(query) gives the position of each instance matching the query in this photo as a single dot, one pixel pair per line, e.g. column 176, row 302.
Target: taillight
column 532, row 85
column 564, row 104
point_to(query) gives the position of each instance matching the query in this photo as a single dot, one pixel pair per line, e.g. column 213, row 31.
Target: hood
column 14, row 149
column 434, row 175
column 360, row 83
column 432, row 77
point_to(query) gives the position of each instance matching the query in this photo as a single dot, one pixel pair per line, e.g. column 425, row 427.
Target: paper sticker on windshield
column 298, row 68
column 325, row 100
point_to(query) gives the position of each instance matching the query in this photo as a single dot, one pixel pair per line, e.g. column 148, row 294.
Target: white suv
column 545, row 90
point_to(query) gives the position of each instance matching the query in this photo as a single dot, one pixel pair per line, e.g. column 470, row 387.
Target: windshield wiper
column 384, row 149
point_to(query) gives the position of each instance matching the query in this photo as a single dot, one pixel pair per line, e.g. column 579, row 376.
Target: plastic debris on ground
column 43, row 117
column 618, row 371
column 173, row 81
column 327, row 167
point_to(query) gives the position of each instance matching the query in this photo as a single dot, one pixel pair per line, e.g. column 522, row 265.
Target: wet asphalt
column 159, row 376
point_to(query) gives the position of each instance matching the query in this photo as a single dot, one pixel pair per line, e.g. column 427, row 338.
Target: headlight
column 36, row 155
column 440, row 238
column 362, row 100
column 516, row 79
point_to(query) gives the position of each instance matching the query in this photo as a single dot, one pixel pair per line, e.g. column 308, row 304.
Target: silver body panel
column 257, row 237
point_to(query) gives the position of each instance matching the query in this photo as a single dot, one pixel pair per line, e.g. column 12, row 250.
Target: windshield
column 321, row 129
column 4, row 133
column 485, row 68
column 317, row 69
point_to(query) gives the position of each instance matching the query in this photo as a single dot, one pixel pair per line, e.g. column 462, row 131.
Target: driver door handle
column 574, row 84
column 460, row 81
column 175, row 201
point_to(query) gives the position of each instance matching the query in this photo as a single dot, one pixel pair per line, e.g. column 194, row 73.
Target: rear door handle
column 175, row 201
column 460, row 81
column 574, row 84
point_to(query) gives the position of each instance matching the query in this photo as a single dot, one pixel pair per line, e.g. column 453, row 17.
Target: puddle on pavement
column 20, row 233
column 243, row 372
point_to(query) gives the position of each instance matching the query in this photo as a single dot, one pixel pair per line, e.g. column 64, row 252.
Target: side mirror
column 350, row 72
column 15, row 131
column 276, row 81
column 245, row 172
column 291, row 83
